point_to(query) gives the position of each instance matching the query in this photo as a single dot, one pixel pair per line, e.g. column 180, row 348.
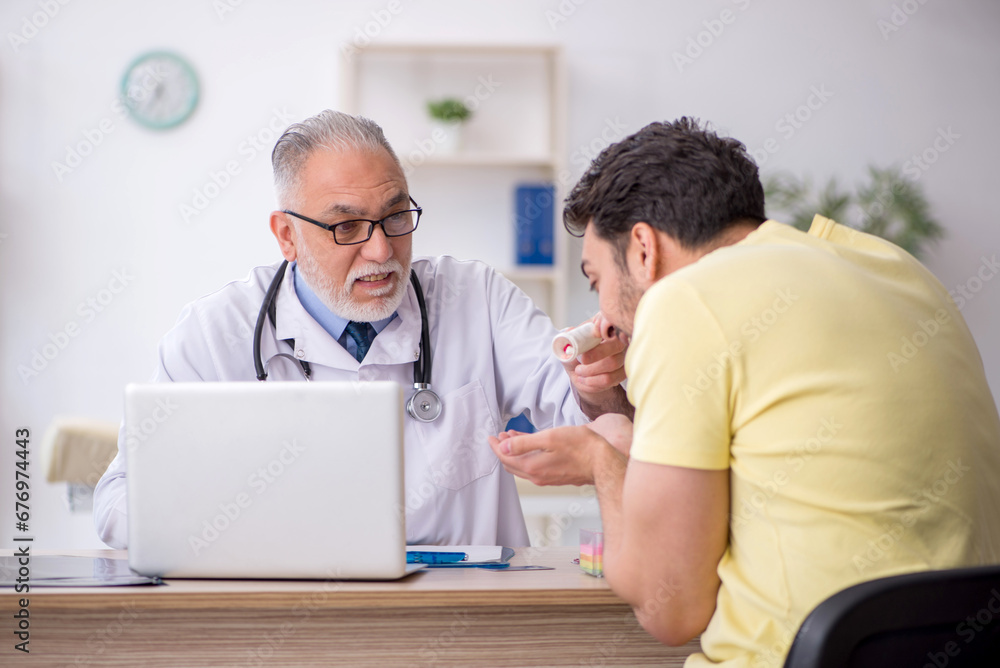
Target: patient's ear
column 644, row 254
column 656, row 254
column 281, row 227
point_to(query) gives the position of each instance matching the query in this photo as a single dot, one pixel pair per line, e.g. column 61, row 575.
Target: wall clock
column 160, row 89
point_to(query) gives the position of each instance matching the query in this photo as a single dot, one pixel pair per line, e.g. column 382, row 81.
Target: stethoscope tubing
column 421, row 366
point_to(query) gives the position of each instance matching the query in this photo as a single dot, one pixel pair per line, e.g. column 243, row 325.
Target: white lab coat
column 490, row 348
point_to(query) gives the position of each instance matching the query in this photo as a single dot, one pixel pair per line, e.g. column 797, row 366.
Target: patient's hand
column 558, row 456
column 597, row 374
column 616, row 430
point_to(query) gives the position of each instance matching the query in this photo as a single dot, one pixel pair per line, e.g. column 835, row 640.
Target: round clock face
column 160, row 89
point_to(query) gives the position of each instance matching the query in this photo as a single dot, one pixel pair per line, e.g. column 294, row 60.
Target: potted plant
column 887, row 205
column 448, row 114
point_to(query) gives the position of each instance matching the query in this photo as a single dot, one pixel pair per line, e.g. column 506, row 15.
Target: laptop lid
column 266, row 480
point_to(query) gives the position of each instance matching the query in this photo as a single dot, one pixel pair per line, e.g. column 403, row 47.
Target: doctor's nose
column 377, row 248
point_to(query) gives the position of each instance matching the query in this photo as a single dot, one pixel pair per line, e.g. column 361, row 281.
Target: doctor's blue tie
column 361, row 332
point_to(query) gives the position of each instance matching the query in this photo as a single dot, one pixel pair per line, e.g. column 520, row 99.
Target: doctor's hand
column 597, row 374
column 560, row 456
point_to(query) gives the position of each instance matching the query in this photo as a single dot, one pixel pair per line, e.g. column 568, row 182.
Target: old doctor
column 344, row 307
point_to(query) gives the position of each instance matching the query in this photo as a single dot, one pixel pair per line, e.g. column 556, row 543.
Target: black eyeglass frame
column 371, row 224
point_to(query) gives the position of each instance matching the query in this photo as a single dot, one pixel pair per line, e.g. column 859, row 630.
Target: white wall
column 63, row 240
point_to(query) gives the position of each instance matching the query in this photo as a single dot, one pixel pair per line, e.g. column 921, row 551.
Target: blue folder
column 534, row 210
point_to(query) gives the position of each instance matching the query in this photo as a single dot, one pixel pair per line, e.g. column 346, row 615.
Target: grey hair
column 330, row 130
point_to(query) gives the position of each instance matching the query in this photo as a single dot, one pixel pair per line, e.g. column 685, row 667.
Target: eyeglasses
column 350, row 232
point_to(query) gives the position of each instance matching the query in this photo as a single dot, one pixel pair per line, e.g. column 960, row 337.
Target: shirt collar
column 399, row 344
column 315, row 307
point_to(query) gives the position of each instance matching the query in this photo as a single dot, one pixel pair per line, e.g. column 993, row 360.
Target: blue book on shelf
column 534, row 210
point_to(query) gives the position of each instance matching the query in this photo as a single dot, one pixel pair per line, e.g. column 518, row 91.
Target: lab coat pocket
column 455, row 444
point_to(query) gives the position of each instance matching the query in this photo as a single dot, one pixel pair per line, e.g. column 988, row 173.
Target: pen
column 435, row 557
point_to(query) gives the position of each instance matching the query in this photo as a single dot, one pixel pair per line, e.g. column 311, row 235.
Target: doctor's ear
column 282, row 229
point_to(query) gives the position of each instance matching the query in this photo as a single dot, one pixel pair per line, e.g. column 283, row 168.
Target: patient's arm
column 665, row 532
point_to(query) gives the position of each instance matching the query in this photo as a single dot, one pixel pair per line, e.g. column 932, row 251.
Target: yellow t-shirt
column 833, row 376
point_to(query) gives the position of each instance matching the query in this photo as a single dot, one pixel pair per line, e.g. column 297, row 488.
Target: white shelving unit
column 515, row 136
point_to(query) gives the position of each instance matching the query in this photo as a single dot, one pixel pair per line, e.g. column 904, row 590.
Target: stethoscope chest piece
column 425, row 404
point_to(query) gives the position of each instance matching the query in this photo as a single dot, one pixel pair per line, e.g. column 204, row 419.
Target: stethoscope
column 425, row 405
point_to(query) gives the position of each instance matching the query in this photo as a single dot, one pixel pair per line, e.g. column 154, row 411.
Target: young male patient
column 811, row 410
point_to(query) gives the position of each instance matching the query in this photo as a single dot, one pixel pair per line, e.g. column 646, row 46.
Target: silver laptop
column 266, row 480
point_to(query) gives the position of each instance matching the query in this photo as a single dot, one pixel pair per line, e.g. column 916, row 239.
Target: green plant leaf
column 887, row 205
column 449, row 110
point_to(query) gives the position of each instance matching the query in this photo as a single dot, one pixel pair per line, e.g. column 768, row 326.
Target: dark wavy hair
column 679, row 177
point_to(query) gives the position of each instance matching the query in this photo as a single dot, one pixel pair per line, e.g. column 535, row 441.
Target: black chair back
column 931, row 619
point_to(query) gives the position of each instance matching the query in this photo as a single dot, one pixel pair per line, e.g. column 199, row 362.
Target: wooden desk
column 459, row 617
